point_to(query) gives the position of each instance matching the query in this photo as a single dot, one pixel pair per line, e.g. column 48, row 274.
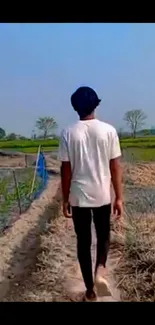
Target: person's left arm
column 66, row 174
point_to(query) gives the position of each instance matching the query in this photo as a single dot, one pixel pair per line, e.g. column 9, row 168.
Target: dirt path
column 73, row 280
column 58, row 277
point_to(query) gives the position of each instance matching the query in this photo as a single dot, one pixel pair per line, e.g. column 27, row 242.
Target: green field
column 138, row 140
column 142, row 148
column 139, row 149
column 145, row 142
column 29, row 146
column 22, row 144
column 139, row 154
column 32, row 149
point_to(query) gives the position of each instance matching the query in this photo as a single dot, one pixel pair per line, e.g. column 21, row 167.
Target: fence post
column 17, row 191
column 26, row 161
column 35, row 171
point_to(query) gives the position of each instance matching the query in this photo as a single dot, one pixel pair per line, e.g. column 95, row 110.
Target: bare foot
column 101, row 283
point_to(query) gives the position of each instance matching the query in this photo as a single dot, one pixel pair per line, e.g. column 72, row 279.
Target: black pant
column 82, row 218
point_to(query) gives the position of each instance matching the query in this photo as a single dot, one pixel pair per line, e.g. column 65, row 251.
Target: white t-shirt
column 89, row 145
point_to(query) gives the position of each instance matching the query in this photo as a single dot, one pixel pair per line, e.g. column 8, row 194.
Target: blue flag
column 41, row 168
column 42, row 173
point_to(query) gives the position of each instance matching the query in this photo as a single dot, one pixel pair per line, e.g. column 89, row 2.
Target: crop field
column 136, row 145
column 139, row 149
column 29, row 145
column 145, row 142
column 139, row 154
column 9, row 208
column 35, row 149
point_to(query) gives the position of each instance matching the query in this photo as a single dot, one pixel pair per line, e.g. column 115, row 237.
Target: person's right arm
column 116, row 174
column 66, row 173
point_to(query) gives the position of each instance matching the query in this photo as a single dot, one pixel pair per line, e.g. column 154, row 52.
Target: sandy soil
column 12, row 161
column 19, row 161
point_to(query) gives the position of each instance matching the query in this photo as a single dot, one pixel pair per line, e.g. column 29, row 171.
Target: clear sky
column 42, row 64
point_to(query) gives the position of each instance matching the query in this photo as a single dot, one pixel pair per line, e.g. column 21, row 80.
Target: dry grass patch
column 142, row 174
column 136, row 270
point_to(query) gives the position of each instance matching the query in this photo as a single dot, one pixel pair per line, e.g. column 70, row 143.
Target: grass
column 136, row 268
column 20, row 144
column 144, row 145
column 141, row 142
column 33, row 149
column 28, row 144
column 138, row 140
column 31, row 146
column 139, row 154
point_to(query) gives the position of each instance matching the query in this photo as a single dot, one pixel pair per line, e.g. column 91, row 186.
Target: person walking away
column 90, row 154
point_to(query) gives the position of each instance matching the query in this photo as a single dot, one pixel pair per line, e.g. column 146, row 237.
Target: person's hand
column 118, row 208
column 67, row 210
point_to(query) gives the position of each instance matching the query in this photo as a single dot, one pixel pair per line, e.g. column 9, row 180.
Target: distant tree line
column 45, row 128
column 10, row 136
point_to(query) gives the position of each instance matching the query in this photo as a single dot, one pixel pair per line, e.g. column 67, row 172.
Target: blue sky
column 42, row 64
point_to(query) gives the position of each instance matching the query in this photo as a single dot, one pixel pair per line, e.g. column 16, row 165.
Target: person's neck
column 88, row 117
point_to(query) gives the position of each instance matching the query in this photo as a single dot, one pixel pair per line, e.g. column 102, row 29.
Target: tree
column 120, row 132
column 11, row 136
column 146, row 132
column 2, row 133
column 33, row 135
column 135, row 119
column 46, row 125
column 21, row 137
column 152, row 131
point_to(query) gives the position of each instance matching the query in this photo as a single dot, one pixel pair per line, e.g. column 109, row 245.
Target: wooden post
column 35, row 171
column 17, row 192
column 26, row 161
